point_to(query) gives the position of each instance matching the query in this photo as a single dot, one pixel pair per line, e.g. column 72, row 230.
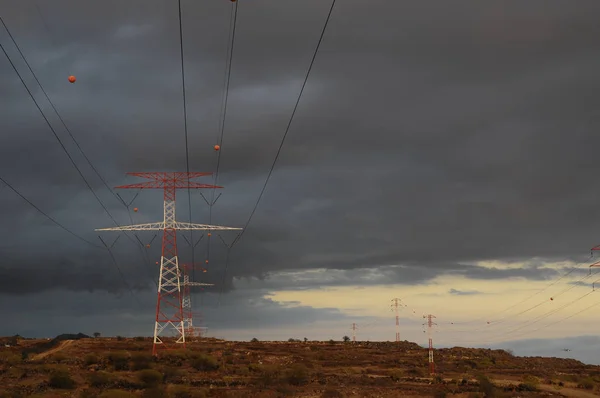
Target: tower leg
column 169, row 306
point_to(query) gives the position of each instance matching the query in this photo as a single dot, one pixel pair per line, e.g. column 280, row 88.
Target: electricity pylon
column 169, row 309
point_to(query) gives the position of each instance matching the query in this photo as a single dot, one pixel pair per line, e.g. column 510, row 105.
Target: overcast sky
column 443, row 153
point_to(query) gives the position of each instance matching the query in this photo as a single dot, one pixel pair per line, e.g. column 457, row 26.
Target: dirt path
column 44, row 354
column 565, row 391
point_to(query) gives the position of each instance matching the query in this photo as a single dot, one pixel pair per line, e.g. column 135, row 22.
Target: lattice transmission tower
column 354, row 327
column 186, row 302
column 169, row 308
column 430, row 325
column 396, row 304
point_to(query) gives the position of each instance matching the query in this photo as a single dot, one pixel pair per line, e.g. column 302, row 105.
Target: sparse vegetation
column 150, row 377
column 204, row 362
column 61, row 378
column 95, row 368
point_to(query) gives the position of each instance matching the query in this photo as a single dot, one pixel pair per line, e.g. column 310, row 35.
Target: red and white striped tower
column 354, row 327
column 186, row 301
column 396, row 303
column 169, row 310
column 430, row 324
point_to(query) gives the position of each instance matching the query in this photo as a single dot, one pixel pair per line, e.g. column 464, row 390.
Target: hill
column 117, row 367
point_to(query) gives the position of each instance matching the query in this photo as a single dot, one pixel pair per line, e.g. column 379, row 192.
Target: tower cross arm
column 154, row 226
column 198, row 284
column 158, row 226
column 205, row 227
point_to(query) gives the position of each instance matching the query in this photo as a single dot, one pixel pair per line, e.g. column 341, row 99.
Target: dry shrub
column 204, row 362
column 61, row 378
column 116, row 394
column 91, row 359
column 587, row 384
column 10, row 358
column 297, row 374
column 150, row 377
column 154, row 392
column 172, row 375
column 58, row 357
column 175, row 358
column 100, row 379
column 486, row 386
column 119, row 359
column 141, row 361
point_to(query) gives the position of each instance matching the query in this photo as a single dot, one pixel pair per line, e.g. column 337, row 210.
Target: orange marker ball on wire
column 217, row 147
column 206, row 261
column 209, row 234
column 135, row 209
column 148, row 246
column 72, row 79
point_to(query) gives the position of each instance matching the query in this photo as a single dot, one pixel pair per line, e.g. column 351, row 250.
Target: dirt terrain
column 119, row 367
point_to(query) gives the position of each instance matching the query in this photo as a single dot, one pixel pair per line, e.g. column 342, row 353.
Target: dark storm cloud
column 37, row 314
column 430, row 134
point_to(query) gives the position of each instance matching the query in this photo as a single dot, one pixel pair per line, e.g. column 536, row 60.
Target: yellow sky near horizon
column 470, row 313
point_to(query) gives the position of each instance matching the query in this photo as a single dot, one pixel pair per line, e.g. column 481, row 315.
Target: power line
column 185, row 121
column 56, row 111
column 221, row 132
column 316, row 51
column 288, row 125
column 48, row 216
column 230, row 47
column 61, row 119
column 119, row 199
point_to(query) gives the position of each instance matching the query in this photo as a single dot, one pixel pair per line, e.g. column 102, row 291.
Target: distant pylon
column 396, row 302
column 430, row 325
column 169, row 310
column 186, row 301
column 354, row 327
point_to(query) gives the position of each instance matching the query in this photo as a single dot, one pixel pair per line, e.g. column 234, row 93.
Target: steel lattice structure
column 396, row 303
column 169, row 305
column 186, row 302
column 430, row 325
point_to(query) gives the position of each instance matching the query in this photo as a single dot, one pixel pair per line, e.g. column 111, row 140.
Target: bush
column 100, row 379
column 150, row 377
column 10, row 358
column 172, row 375
column 204, row 362
column 141, row 361
column 587, row 384
column 254, row 340
column 61, row 379
column 297, row 374
column 58, row 357
column 120, row 360
column 154, row 392
column 175, row 358
column 91, row 359
column 486, row 386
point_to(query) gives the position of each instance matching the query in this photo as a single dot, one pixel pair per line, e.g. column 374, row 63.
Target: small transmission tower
column 169, row 309
column 354, row 327
column 186, row 301
column 396, row 303
column 430, row 325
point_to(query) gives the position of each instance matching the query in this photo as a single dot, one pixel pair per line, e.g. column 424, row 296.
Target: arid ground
column 72, row 366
